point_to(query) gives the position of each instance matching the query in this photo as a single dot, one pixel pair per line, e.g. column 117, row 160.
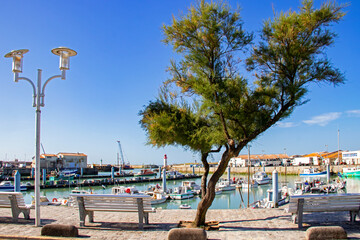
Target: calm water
column 226, row 200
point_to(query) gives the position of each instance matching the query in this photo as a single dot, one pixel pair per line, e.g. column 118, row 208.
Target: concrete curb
column 35, row 237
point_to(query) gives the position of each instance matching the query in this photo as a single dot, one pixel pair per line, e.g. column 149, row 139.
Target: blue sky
column 120, row 65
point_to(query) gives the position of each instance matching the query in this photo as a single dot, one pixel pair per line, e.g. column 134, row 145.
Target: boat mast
column 339, row 146
column 122, row 156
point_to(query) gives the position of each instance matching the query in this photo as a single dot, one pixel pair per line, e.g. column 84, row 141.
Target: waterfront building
column 351, row 157
column 307, row 160
column 319, row 158
column 258, row 160
column 73, row 160
column 62, row 161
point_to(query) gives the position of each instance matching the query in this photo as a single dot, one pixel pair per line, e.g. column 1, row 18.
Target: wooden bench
column 323, row 203
column 15, row 201
column 88, row 203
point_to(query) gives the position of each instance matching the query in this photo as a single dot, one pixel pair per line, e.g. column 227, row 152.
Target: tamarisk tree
column 207, row 105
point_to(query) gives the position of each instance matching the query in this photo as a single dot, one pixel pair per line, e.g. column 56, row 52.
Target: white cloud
column 353, row 113
column 323, row 119
column 286, row 124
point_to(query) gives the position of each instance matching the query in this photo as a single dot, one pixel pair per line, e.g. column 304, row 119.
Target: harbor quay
column 282, row 170
column 234, row 224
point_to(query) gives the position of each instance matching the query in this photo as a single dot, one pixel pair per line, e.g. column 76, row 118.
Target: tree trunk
column 205, row 175
column 208, row 198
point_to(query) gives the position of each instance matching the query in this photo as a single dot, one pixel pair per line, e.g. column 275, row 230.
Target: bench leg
column 83, row 212
column 146, row 216
column 140, row 212
column 294, row 218
column 91, row 216
column 300, row 213
column 353, row 216
column 26, row 213
column 15, row 209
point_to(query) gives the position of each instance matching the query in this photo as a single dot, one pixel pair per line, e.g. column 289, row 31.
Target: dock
column 107, row 182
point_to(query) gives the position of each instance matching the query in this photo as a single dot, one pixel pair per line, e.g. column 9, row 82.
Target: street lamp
column 38, row 101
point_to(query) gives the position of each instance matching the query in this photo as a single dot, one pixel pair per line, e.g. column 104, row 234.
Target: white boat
column 218, row 191
column 158, row 197
column 157, row 194
column 261, row 178
column 351, row 172
column 7, row 186
column 180, row 193
column 225, row 185
column 252, row 184
column 124, row 190
column 174, row 174
column 312, row 172
column 185, row 206
column 192, row 185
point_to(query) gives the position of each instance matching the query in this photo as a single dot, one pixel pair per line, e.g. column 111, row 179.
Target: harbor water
column 226, row 200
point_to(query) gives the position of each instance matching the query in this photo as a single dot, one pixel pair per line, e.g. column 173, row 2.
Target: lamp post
column 38, row 102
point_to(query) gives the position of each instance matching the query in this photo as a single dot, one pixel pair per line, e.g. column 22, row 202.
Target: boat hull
column 181, row 196
column 320, row 174
column 352, row 173
column 11, row 188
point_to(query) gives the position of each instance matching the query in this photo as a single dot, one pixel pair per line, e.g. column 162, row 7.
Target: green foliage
column 207, row 103
column 292, row 52
column 168, row 124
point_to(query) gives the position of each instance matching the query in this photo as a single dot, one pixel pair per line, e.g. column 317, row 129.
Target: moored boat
column 192, row 185
column 180, row 193
column 145, row 172
column 351, row 172
column 185, row 206
column 261, row 178
column 225, row 185
column 124, row 190
column 312, row 172
column 7, row 186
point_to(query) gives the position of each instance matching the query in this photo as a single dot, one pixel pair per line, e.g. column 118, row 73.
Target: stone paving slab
column 234, row 223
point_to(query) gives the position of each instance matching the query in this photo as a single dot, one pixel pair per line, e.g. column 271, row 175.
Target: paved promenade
column 234, row 223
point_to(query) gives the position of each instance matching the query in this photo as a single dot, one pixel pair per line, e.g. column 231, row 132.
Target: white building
column 351, row 157
column 62, row 160
column 242, row 162
column 258, row 160
column 72, row 160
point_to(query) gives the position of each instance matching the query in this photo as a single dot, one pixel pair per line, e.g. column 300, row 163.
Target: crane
column 122, row 156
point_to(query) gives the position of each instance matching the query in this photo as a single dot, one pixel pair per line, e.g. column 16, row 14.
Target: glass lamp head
column 65, row 54
column 17, row 56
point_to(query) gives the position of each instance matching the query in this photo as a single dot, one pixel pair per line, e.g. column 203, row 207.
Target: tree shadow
column 128, row 226
column 23, row 221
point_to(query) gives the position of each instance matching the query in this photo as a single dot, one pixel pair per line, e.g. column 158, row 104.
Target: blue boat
column 312, row 172
column 7, row 186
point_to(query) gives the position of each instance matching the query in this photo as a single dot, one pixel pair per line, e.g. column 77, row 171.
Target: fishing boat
column 157, row 193
column 351, row 172
column 145, row 172
column 252, row 184
column 261, row 178
column 174, row 174
column 7, row 186
column 312, row 172
column 158, row 197
column 225, row 185
column 180, row 193
column 124, row 190
column 192, row 185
